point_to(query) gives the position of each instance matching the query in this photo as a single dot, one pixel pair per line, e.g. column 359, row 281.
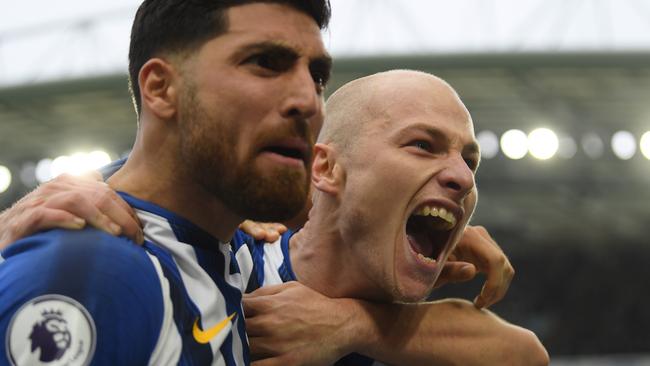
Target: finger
column 266, row 361
column 78, row 205
column 270, row 290
column 454, row 272
column 119, row 212
column 45, row 218
column 260, row 349
column 53, row 218
column 274, row 226
column 271, row 236
column 495, row 287
column 252, row 306
column 253, row 229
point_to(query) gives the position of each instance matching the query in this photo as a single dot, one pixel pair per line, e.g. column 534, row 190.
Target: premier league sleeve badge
column 51, row 330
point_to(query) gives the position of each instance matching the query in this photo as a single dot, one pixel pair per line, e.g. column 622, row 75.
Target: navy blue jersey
column 75, row 297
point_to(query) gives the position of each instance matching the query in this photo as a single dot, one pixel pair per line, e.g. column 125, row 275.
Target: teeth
column 426, row 259
column 440, row 212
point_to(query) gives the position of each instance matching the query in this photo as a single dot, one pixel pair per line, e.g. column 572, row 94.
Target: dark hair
column 179, row 25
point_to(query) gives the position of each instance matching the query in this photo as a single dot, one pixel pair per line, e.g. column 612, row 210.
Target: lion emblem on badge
column 51, row 335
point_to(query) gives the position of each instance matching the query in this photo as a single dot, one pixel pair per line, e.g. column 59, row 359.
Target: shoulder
column 62, row 253
column 90, row 283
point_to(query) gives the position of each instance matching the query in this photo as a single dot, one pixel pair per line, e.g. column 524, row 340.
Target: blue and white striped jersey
column 76, row 297
column 80, row 297
column 265, row 264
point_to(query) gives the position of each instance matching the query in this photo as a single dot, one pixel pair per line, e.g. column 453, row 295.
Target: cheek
column 471, row 201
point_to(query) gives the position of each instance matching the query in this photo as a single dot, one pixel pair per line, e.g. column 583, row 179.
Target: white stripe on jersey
column 246, row 265
column 273, row 259
column 234, row 280
column 169, row 345
column 199, row 285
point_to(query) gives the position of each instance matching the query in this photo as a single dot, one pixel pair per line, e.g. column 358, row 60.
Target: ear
column 158, row 90
column 327, row 175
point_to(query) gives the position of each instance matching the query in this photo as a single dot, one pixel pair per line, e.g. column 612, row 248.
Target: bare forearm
column 448, row 332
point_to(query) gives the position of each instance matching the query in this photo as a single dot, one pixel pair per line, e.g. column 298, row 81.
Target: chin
column 412, row 293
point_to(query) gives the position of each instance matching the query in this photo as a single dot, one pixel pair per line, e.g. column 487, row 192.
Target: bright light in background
column 543, row 143
column 645, row 145
column 28, row 174
column 44, row 170
column 514, row 144
column 592, row 145
column 5, row 178
column 568, row 147
column 489, row 143
column 60, row 165
column 75, row 164
column 624, row 145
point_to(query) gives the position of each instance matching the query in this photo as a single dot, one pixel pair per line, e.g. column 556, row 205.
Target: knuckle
column 72, row 198
column 502, row 261
column 103, row 198
column 65, row 177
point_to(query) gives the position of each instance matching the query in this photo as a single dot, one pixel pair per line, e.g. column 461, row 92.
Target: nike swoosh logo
column 204, row 336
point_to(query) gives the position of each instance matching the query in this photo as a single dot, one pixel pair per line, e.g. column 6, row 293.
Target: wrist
column 361, row 330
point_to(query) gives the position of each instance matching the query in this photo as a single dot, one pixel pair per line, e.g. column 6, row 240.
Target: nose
column 302, row 99
column 456, row 177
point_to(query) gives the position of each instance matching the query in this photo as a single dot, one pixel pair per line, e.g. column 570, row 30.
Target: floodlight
column 5, row 178
column 543, row 143
column 514, row 144
column 593, row 145
column 489, row 143
column 44, row 170
column 645, row 145
column 624, row 145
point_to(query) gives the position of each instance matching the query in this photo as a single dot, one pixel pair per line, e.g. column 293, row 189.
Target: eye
column 422, row 145
column 321, row 75
column 321, row 83
column 269, row 61
column 472, row 164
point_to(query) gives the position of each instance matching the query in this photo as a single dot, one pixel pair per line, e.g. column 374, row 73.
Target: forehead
column 278, row 23
column 420, row 107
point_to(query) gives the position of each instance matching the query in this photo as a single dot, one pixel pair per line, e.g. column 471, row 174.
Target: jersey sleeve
column 74, row 298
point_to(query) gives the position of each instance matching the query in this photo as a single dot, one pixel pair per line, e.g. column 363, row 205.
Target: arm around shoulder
column 448, row 332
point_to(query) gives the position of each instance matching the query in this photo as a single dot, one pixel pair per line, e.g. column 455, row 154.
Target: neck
column 153, row 173
column 323, row 261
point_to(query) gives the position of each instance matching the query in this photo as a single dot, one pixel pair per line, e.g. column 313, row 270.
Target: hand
column 291, row 324
column 70, row 202
column 267, row 231
column 477, row 251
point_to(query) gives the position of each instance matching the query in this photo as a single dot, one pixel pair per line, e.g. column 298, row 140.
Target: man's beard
column 210, row 158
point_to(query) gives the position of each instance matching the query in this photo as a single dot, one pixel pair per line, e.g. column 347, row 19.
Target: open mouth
column 286, row 151
column 428, row 230
column 296, row 149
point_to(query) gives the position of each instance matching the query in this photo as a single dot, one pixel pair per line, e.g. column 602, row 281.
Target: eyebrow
column 438, row 134
column 323, row 62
